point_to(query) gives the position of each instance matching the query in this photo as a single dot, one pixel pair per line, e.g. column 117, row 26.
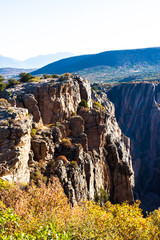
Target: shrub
column 55, row 76
column 4, row 184
column 43, row 212
column 10, row 110
column 83, row 103
column 97, row 104
column 67, row 74
column 3, row 102
column 45, row 76
column 2, row 86
column 38, row 208
column 1, row 78
column 33, row 132
column 25, row 77
column 34, row 79
column 102, row 196
column 74, row 114
column 38, row 178
column 66, row 142
column 12, row 82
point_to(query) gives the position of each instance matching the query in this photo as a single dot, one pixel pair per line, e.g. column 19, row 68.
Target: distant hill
column 42, row 60
column 110, row 66
column 8, row 62
column 34, row 62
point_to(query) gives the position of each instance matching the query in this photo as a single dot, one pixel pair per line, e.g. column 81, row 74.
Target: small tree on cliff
column 25, row 77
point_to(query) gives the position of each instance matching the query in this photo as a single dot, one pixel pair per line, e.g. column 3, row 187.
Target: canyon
column 111, row 144
column 137, row 110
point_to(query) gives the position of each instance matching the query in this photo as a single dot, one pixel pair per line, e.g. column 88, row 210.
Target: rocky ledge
column 83, row 146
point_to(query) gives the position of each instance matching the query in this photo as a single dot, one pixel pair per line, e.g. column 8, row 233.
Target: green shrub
column 83, row 103
column 97, row 104
column 4, row 184
column 2, row 78
column 25, row 77
column 33, row 131
column 45, row 76
column 2, row 86
column 12, row 82
column 102, row 196
column 55, row 76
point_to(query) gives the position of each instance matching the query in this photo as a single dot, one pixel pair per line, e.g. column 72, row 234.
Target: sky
column 33, row 27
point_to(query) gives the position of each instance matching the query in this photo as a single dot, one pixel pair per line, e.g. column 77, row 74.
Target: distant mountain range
column 110, row 66
column 14, row 72
column 34, row 62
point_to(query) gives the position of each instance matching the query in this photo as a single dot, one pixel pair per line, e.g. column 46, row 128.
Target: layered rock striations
column 138, row 114
column 83, row 146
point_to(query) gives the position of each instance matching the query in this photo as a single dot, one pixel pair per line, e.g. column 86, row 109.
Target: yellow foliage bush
column 43, row 212
column 66, row 142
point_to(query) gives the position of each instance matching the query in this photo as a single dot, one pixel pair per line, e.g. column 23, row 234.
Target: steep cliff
column 84, row 147
column 138, row 114
column 15, row 125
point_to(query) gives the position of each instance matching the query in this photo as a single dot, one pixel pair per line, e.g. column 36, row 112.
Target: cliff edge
column 82, row 145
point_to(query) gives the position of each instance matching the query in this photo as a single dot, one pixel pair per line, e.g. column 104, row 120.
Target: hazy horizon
column 31, row 28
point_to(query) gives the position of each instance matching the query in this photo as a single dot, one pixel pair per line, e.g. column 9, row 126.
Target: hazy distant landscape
column 32, row 62
column 106, row 67
column 110, row 66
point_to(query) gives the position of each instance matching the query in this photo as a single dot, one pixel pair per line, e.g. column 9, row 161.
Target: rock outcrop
column 138, row 114
column 15, row 125
column 83, row 146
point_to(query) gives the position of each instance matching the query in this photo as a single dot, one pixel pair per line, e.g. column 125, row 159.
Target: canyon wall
column 137, row 108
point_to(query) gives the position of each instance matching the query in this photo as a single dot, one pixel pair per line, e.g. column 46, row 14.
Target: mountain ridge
column 112, row 64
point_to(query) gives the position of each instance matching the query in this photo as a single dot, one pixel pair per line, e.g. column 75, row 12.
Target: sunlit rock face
column 83, row 146
column 15, row 144
column 138, row 115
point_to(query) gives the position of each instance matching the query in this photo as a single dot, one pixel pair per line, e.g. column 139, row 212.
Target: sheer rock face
column 15, row 125
column 138, row 115
column 84, row 147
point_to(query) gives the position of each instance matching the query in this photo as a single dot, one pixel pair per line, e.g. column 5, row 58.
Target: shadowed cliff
column 137, row 108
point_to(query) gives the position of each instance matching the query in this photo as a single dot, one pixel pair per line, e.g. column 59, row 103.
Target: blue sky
column 33, row 27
